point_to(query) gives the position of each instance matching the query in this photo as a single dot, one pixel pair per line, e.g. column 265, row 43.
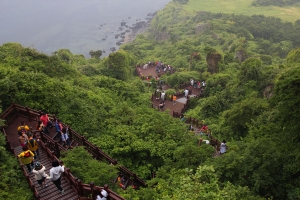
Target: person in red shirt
column 46, row 122
column 204, row 129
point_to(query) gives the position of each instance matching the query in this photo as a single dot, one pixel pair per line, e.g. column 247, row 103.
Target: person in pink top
column 46, row 122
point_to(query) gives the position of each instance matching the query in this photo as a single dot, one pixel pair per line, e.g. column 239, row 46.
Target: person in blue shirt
column 58, row 128
column 65, row 137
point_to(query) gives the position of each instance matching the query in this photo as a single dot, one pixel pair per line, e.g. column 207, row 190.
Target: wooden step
column 50, row 192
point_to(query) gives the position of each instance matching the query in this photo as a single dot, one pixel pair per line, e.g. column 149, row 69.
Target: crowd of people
column 30, row 150
column 221, row 147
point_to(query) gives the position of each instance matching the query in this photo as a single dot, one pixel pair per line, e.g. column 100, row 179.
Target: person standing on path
column 162, row 105
column 55, row 174
column 65, row 137
column 103, row 194
column 223, row 147
column 40, row 175
column 33, row 146
column 23, row 128
column 174, row 99
column 186, row 93
column 162, row 96
column 46, row 121
column 26, row 158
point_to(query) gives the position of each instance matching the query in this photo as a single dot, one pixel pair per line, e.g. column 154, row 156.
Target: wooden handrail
column 53, row 149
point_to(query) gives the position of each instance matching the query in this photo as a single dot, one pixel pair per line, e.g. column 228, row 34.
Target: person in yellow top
column 23, row 128
column 32, row 145
column 26, row 158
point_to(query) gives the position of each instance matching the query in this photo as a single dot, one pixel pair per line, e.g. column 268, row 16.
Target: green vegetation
column 274, row 2
column 13, row 184
column 247, row 7
column 88, row 169
column 251, row 67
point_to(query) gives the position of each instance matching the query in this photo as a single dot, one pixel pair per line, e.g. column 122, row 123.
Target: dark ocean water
column 78, row 25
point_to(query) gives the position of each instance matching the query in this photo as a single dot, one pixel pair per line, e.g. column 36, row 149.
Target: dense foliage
column 13, row 184
column 274, row 2
column 251, row 67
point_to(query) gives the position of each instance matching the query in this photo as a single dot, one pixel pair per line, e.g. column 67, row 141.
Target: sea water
column 77, row 25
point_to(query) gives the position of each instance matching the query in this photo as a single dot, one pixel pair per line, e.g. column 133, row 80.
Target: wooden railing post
column 92, row 185
column 83, row 141
column 56, row 150
column 70, row 133
column 28, row 113
column 80, row 189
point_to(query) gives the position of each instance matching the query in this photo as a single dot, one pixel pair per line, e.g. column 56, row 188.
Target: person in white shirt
column 39, row 174
column 55, row 174
column 223, row 147
column 186, row 93
column 162, row 95
column 103, row 194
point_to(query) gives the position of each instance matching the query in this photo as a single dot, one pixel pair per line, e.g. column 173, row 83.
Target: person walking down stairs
column 55, row 174
column 40, row 175
column 174, row 99
column 26, row 158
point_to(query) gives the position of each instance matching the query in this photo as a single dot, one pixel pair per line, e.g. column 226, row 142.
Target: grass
column 290, row 14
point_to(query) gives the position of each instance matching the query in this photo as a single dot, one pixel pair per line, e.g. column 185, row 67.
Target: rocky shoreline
column 131, row 32
column 139, row 29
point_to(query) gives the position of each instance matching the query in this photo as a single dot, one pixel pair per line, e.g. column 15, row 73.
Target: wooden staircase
column 50, row 149
column 50, row 192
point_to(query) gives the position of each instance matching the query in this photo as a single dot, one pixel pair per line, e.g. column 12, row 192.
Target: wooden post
column 56, row 150
column 70, row 133
column 80, row 190
column 200, row 142
column 83, row 141
column 94, row 195
column 28, row 113
column 15, row 109
column 99, row 156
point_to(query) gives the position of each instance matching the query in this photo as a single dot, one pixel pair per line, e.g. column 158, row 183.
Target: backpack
column 22, row 129
column 27, row 154
column 32, row 145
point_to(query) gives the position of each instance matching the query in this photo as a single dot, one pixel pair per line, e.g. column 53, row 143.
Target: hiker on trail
column 157, row 69
column 182, row 118
column 26, row 158
column 58, row 128
column 198, row 84
column 55, row 174
column 23, row 138
column 103, row 194
column 145, row 66
column 201, row 90
column 209, row 134
column 192, row 82
column 39, row 125
column 186, row 93
column 165, row 69
column 40, row 175
column 195, row 84
column 162, row 96
column 23, row 128
column 65, row 137
column 191, row 128
column 204, row 129
column 174, row 99
column 162, row 105
column 223, row 147
column 203, row 84
column 33, row 146
column 46, row 122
